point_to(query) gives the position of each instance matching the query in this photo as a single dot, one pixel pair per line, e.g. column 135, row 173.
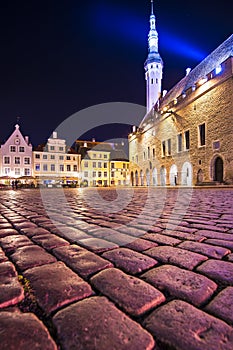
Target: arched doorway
column 132, row 178
column 147, row 177
column 173, row 175
column 136, row 178
column 218, row 169
column 187, row 174
column 154, row 177
column 200, row 176
column 141, row 178
column 162, row 176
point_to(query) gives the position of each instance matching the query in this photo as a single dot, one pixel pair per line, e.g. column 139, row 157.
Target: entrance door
column 218, row 169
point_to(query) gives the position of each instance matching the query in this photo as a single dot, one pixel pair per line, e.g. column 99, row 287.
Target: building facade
column 54, row 165
column 103, row 164
column 16, row 158
column 186, row 136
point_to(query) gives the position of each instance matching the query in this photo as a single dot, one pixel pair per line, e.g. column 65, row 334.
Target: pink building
column 16, row 158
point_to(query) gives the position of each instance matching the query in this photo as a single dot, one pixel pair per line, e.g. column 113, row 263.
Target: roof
column 213, row 60
column 119, row 155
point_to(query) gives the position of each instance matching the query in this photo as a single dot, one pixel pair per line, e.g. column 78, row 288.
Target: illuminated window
column 218, row 69
column 17, row 171
column 37, row 167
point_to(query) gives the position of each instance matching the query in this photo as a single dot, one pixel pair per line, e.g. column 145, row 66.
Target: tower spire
column 153, row 65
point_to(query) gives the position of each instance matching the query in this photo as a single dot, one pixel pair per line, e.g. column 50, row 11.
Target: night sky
column 59, row 57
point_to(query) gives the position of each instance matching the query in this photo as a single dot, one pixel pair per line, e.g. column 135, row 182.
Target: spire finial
column 152, row 10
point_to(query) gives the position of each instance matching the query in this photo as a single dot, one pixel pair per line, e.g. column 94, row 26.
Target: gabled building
column 186, row 136
column 56, row 165
column 16, row 158
column 103, row 164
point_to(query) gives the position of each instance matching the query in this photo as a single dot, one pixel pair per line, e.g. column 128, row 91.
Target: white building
column 16, row 158
column 54, row 165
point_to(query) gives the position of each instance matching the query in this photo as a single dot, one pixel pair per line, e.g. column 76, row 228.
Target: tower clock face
column 17, row 141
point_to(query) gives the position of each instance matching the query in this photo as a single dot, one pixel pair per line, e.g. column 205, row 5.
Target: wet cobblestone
column 81, row 269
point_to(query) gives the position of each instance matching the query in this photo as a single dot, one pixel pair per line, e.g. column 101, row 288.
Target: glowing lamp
column 218, row 69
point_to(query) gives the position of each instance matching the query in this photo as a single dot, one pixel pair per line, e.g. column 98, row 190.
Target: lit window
column 37, row 167
column 17, row 171
column 218, row 69
column 27, row 160
column 7, row 171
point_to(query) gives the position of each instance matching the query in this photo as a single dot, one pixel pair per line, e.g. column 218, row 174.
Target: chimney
column 164, row 92
column 54, row 134
column 188, row 70
column 27, row 139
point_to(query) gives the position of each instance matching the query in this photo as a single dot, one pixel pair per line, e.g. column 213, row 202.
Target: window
column 94, row 174
column 202, row 133
column 67, row 157
column 112, row 165
column 37, row 156
column 85, row 173
column 21, row 149
column 179, row 142
column 152, row 81
column 94, row 164
column 75, row 168
column 99, row 174
column 52, row 148
column 6, row 160
column 148, row 152
column 216, row 145
column 61, row 157
column 52, row 167
column 27, row 160
column 61, row 148
column 27, row 172
column 45, row 156
column 85, row 164
column 105, row 174
column 94, row 182
column 100, row 155
column 37, row 167
column 187, row 139
column 99, row 165
column 68, row 167
column 136, row 158
column 12, row 148
column 105, row 165
column 163, row 149
column 7, row 171
column 94, row 155
column 105, row 156
column 169, row 147
column 112, row 174
column 17, row 171
column 124, row 165
column 153, row 153
column 17, row 160
column 144, row 155
column 61, row 167
column 45, row 167
column 52, row 156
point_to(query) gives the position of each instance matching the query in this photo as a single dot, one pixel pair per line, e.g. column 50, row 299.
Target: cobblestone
column 155, row 274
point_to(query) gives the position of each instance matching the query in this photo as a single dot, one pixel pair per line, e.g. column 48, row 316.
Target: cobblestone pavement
column 99, row 269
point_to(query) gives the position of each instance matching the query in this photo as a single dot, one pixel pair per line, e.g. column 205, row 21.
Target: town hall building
column 186, row 136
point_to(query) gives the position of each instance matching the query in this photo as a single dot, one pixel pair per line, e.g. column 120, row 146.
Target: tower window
column 152, row 81
column 179, row 142
column 187, row 139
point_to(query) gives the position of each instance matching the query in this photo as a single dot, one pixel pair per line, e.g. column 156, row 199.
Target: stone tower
column 153, row 66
